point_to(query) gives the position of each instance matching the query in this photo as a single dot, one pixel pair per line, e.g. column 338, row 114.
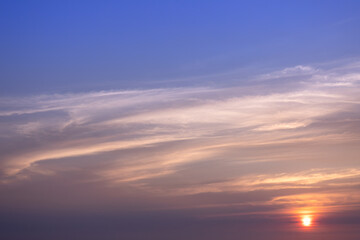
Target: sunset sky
column 179, row 120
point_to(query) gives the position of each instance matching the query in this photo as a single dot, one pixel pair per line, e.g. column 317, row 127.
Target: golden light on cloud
column 248, row 150
column 306, row 221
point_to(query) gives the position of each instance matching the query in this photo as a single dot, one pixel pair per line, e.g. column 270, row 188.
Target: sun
column 306, row 221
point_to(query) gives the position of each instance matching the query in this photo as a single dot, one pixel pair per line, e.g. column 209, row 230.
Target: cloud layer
column 286, row 141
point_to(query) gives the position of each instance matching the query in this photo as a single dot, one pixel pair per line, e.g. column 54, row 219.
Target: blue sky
column 179, row 120
column 68, row 46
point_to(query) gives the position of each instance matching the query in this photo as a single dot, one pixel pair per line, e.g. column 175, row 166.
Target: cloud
column 265, row 136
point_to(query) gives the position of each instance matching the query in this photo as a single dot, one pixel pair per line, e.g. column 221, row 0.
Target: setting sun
column 306, row 221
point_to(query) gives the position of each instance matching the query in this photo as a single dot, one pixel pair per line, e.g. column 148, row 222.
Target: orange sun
column 306, row 221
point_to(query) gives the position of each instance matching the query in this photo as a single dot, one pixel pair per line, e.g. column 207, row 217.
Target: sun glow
column 306, row 221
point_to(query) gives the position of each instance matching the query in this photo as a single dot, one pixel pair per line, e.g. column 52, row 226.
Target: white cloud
column 183, row 127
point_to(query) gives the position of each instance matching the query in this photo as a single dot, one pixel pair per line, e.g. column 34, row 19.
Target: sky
column 180, row 120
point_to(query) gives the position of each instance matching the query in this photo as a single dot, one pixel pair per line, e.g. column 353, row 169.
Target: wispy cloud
column 267, row 135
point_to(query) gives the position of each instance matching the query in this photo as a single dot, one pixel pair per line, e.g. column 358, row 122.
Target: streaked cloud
column 285, row 131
